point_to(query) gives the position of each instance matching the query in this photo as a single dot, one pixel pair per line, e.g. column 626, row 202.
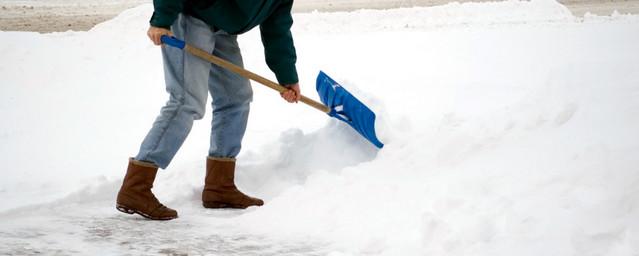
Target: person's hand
column 293, row 94
column 156, row 33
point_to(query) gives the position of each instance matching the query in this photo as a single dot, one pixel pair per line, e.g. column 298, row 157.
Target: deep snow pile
column 510, row 128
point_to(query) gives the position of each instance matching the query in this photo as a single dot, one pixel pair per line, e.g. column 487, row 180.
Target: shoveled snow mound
column 510, row 128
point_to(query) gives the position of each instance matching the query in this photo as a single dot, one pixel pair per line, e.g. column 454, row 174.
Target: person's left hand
column 293, row 95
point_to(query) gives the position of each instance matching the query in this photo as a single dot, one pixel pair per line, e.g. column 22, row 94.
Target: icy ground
column 511, row 128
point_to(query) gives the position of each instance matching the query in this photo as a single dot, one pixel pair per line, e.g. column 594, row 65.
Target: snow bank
column 510, row 127
column 452, row 14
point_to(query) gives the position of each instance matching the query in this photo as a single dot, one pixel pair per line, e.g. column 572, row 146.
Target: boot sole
column 128, row 210
column 218, row 205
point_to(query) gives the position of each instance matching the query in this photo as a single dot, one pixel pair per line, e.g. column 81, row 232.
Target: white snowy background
column 511, row 128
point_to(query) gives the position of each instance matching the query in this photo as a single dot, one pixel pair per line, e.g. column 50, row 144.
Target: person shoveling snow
column 213, row 27
column 211, row 30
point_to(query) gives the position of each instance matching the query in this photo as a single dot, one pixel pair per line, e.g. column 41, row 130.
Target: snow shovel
column 338, row 102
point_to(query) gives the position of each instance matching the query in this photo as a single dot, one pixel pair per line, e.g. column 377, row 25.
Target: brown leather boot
column 135, row 195
column 219, row 188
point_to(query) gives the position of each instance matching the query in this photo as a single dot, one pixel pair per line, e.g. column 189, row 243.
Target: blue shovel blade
column 344, row 106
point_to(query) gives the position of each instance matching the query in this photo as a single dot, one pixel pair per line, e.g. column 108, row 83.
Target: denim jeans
column 189, row 79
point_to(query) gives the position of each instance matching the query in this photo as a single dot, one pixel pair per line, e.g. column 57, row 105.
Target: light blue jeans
column 189, row 79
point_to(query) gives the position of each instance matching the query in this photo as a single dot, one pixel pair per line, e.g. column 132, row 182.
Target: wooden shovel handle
column 250, row 75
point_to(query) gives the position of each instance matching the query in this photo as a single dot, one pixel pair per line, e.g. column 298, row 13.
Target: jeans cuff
column 221, row 159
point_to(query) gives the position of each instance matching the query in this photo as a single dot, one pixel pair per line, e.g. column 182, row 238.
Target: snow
column 509, row 128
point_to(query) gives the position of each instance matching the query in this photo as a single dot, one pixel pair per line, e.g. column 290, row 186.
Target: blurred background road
column 62, row 15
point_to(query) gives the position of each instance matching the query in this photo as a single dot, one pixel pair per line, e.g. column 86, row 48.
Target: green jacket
column 237, row 17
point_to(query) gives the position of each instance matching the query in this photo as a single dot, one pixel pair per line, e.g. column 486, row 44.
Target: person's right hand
column 156, row 33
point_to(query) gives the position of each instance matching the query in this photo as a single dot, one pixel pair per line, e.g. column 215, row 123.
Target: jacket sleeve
column 165, row 12
column 279, row 49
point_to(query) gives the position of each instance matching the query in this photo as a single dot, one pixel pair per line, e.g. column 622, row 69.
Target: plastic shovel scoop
column 338, row 102
column 344, row 106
